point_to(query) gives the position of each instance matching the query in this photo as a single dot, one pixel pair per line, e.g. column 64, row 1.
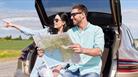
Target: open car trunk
column 104, row 13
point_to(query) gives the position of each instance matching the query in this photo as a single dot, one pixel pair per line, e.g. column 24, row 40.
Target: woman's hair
column 64, row 17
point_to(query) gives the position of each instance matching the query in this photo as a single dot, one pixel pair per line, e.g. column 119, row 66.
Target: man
column 88, row 43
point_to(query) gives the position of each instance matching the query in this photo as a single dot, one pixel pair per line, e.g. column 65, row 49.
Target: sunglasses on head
column 56, row 20
column 74, row 14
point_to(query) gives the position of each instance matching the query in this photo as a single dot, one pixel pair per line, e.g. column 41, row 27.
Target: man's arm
column 98, row 45
column 92, row 51
column 88, row 51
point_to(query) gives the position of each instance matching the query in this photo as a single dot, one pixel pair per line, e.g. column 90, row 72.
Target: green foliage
column 30, row 38
column 8, row 37
column 13, row 44
column 9, row 53
column 12, row 48
column 18, row 38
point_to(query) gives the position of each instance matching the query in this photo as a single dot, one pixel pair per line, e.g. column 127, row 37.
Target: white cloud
column 29, row 22
column 130, row 18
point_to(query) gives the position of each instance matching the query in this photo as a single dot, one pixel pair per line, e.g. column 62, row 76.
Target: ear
column 83, row 15
column 64, row 22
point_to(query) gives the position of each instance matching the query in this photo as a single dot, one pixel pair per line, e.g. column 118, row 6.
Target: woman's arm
column 25, row 30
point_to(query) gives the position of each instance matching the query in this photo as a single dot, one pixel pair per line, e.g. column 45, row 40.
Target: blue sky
column 129, row 11
column 17, row 4
column 28, row 4
column 129, row 4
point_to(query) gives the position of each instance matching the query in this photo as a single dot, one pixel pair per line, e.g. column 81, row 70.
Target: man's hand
column 77, row 48
column 40, row 52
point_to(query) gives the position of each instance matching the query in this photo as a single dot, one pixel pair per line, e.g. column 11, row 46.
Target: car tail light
column 126, row 65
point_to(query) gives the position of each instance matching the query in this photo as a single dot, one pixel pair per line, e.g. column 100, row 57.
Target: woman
column 60, row 23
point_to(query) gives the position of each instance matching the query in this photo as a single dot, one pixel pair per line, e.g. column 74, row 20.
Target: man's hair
column 81, row 7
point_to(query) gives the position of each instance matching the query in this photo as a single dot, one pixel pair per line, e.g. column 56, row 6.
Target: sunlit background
column 23, row 12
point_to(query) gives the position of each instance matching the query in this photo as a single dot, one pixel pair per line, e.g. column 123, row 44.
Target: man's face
column 76, row 16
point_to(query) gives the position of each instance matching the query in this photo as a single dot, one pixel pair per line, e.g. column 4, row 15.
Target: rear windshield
column 54, row 6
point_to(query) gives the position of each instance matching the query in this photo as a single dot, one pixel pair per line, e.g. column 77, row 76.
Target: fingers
column 58, row 67
column 8, row 24
column 76, row 48
column 56, row 70
column 40, row 52
column 5, row 21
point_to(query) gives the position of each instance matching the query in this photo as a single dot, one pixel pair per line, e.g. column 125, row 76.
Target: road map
column 56, row 46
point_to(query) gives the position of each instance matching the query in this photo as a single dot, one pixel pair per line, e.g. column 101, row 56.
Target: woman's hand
column 8, row 24
column 56, row 70
column 40, row 52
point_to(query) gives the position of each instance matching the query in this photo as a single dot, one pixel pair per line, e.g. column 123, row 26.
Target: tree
column 8, row 37
column 30, row 38
column 18, row 38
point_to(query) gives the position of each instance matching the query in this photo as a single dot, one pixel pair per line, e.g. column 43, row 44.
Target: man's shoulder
column 72, row 29
column 94, row 26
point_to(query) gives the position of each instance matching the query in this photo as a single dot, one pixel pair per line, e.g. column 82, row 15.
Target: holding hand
column 40, row 52
column 56, row 70
column 77, row 48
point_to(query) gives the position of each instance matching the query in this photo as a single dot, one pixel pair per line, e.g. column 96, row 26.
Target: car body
column 107, row 15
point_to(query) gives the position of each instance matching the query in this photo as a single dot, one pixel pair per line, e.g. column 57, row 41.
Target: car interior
column 104, row 20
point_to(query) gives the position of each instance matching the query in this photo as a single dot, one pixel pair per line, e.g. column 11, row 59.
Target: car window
column 129, row 18
column 54, row 6
column 136, row 43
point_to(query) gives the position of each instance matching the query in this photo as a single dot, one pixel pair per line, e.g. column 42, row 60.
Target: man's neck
column 83, row 24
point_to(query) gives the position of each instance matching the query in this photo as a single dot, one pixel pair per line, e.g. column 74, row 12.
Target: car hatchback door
column 104, row 13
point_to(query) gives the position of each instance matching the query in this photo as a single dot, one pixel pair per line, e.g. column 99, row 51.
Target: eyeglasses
column 74, row 14
column 56, row 20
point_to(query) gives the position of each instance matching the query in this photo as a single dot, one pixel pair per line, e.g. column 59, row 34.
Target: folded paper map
column 56, row 47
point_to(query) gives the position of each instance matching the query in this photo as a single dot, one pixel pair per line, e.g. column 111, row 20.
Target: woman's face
column 58, row 23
